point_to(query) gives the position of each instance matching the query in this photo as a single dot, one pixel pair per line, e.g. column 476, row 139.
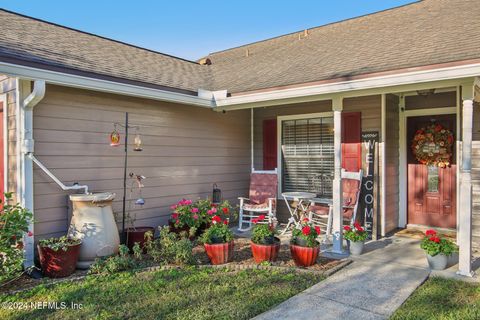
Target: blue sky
column 192, row 29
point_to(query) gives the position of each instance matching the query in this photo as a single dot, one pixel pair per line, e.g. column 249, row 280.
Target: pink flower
column 174, row 215
column 29, row 233
column 194, row 210
column 173, row 207
column 187, row 202
column 210, row 212
column 214, row 210
column 177, row 221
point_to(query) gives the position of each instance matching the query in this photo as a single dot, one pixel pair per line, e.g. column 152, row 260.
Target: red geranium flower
column 216, row 219
column 261, row 217
column 306, row 230
column 29, row 233
column 175, row 215
column 225, row 210
column 317, row 229
column 255, row 221
column 435, row 239
column 438, row 128
column 357, row 226
column 430, row 232
column 225, row 222
column 306, row 219
column 347, row 228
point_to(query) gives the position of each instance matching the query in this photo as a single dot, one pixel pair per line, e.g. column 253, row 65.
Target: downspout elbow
column 36, row 95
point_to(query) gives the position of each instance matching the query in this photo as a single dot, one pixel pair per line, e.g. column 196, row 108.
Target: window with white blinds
column 307, row 155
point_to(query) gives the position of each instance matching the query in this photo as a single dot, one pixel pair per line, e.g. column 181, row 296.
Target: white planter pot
column 356, row 248
column 438, row 262
column 93, row 222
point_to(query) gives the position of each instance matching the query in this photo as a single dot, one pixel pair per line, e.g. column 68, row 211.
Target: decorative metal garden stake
column 114, row 142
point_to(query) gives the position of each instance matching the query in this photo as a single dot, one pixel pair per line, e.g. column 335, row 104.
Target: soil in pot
column 304, row 256
column 219, row 253
column 265, row 252
column 60, row 263
column 137, row 235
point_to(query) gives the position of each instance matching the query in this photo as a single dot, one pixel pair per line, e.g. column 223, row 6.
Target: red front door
column 431, row 190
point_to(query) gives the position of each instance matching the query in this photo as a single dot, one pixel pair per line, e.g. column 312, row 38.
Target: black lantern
column 217, row 194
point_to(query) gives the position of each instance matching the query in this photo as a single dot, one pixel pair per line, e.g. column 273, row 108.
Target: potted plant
column 356, row 237
column 264, row 244
column 218, row 241
column 437, row 249
column 304, row 246
column 58, row 256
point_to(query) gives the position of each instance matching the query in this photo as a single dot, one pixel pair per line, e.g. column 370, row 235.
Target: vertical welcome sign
column 367, row 203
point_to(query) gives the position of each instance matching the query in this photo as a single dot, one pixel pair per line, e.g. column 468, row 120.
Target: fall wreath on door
column 433, row 145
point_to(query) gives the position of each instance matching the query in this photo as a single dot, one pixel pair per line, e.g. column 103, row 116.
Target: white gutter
column 412, row 79
column 81, row 82
column 27, row 147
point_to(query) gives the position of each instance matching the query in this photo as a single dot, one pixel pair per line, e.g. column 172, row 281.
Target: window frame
column 280, row 120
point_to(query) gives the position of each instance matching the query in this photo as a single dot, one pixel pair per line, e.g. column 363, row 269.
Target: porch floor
column 372, row 287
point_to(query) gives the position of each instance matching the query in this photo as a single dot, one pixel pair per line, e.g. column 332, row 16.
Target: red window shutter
column 269, row 144
column 351, row 141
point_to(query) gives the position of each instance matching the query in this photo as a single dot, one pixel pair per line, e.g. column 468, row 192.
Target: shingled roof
column 25, row 40
column 419, row 34
column 423, row 33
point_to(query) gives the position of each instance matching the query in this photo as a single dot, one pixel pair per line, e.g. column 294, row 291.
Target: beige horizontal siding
column 185, row 150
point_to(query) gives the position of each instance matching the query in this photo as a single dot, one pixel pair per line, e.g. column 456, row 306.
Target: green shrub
column 113, row 264
column 59, row 243
column 170, row 248
column 14, row 221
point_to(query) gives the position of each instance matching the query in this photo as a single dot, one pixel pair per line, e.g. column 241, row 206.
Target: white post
column 251, row 140
column 337, row 222
column 465, row 217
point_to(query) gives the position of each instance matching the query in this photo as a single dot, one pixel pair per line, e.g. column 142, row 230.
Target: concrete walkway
column 372, row 287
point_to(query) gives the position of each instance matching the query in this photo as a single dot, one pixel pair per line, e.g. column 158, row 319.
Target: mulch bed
column 243, row 256
column 242, row 259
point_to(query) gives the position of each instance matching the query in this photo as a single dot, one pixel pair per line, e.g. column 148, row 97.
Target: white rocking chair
column 262, row 198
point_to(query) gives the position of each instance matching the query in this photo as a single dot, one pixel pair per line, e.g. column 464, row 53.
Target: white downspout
column 26, row 164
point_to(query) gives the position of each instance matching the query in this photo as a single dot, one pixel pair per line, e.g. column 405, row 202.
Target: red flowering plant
column 195, row 214
column 355, row 234
column 434, row 244
column 218, row 232
column 305, row 234
column 14, row 223
column 264, row 230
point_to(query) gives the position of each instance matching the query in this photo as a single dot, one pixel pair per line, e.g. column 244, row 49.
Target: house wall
column 8, row 87
column 185, row 150
column 392, row 134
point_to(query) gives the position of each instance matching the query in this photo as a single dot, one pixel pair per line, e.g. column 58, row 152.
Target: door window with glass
column 307, row 155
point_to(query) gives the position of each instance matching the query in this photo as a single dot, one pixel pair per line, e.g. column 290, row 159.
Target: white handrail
column 54, row 178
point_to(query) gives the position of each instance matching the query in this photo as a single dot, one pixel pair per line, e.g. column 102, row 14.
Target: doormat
column 420, row 233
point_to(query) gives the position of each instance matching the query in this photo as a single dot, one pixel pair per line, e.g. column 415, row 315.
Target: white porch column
column 337, row 224
column 465, row 217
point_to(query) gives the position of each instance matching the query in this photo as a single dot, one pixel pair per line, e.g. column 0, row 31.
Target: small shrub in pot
column 356, row 236
column 58, row 256
column 437, row 249
column 218, row 241
column 304, row 246
column 265, row 246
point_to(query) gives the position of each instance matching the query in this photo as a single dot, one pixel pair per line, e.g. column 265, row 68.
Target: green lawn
column 442, row 299
column 169, row 294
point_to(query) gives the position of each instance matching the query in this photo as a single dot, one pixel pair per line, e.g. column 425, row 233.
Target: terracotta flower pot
column 265, row 252
column 58, row 264
column 304, row 256
column 137, row 235
column 219, row 253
